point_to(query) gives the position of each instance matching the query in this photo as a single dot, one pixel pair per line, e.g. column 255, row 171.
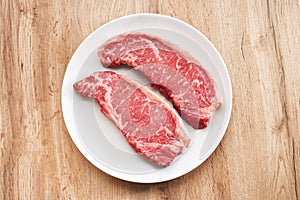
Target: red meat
column 175, row 74
column 149, row 126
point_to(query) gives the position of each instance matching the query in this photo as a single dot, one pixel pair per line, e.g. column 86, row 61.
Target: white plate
column 97, row 137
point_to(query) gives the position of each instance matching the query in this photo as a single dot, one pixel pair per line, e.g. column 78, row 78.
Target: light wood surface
column 259, row 157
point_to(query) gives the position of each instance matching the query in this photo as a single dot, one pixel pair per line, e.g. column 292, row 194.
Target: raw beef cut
column 149, row 126
column 173, row 72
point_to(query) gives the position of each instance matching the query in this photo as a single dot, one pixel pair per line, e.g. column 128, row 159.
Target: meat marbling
column 148, row 124
column 173, row 72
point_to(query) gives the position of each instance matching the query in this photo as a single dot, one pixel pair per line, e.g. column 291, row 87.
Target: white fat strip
column 174, row 147
column 154, row 48
column 133, row 133
column 108, row 89
column 113, row 114
column 133, row 47
column 130, row 56
column 183, row 81
column 177, row 61
column 197, row 82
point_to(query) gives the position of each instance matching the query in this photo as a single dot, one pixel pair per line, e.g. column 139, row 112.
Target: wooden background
column 259, row 157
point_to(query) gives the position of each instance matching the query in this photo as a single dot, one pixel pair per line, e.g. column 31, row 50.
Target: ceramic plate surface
column 100, row 141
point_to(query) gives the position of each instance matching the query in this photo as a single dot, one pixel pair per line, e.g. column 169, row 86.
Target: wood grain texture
column 259, row 157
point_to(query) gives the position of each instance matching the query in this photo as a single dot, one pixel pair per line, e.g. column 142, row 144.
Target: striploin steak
column 173, row 72
column 150, row 127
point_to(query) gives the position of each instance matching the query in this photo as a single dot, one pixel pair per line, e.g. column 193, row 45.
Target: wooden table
column 259, row 157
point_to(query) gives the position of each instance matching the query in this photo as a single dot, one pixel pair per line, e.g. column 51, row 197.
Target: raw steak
column 149, row 126
column 173, row 72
